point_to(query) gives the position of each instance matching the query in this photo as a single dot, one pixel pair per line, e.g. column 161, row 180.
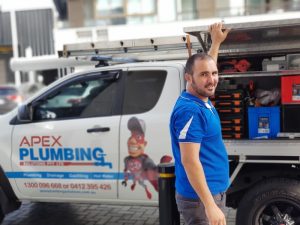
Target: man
column 201, row 161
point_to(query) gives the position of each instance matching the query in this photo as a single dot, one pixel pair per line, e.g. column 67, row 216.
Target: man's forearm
column 214, row 51
column 197, row 179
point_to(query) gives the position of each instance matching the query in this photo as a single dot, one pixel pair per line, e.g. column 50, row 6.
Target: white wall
column 237, row 7
column 166, row 10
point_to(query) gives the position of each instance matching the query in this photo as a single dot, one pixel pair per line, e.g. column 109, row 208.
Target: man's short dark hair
column 191, row 61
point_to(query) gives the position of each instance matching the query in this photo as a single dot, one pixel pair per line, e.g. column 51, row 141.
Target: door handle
column 98, row 129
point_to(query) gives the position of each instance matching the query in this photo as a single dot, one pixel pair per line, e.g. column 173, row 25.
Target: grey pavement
column 88, row 214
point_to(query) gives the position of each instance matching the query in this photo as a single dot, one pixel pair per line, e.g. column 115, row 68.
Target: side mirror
column 25, row 113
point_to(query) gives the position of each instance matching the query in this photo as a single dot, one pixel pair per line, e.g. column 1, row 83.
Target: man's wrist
column 216, row 45
column 209, row 202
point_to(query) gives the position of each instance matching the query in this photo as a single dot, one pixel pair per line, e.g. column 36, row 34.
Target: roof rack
column 247, row 36
column 134, row 50
column 252, row 37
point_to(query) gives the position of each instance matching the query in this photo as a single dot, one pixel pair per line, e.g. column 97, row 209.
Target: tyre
column 271, row 202
column 1, row 216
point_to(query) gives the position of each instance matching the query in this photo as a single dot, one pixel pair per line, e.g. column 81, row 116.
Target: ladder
column 135, row 50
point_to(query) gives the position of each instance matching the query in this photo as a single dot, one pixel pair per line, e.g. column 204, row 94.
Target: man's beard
column 199, row 91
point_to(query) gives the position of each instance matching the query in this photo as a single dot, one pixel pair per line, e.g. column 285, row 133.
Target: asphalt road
column 88, row 214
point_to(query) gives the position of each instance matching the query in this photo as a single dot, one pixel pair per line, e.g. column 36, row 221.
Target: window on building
column 126, row 11
column 187, row 9
column 143, row 89
column 271, row 6
column 294, row 5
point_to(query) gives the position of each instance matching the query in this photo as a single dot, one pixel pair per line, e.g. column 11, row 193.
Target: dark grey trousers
column 193, row 211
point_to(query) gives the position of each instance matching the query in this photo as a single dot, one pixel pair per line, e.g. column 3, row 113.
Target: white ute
column 98, row 135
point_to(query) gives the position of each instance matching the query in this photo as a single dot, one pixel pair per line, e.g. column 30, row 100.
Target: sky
column 8, row 5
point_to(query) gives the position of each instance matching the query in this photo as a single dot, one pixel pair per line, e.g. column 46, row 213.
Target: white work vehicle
column 98, row 136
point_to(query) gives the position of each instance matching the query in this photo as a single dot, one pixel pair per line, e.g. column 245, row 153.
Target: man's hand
column 215, row 215
column 216, row 33
column 217, row 37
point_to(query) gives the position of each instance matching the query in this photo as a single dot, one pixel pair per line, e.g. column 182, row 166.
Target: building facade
column 83, row 13
column 33, row 31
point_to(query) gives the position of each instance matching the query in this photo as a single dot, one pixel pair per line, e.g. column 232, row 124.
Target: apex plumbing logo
column 49, row 151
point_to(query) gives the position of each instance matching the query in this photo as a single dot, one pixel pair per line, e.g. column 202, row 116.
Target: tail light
column 15, row 98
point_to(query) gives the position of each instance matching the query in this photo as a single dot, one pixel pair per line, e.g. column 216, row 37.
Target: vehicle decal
column 65, row 182
column 138, row 164
column 66, row 175
column 48, row 151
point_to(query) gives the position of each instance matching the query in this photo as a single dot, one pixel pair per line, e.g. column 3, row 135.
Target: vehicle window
column 7, row 91
column 143, row 89
column 81, row 99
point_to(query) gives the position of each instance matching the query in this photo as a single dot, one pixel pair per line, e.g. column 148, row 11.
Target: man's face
column 136, row 144
column 204, row 80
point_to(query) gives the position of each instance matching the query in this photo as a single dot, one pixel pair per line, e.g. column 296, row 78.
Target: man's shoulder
column 187, row 105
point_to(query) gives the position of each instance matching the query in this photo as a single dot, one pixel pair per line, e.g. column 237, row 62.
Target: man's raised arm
column 217, row 37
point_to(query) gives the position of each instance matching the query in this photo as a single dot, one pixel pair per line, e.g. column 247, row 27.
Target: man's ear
column 188, row 77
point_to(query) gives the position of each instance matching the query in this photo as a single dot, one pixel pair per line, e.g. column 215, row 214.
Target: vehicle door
column 70, row 148
column 150, row 94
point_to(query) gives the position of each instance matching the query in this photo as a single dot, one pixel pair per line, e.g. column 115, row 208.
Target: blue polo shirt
column 196, row 121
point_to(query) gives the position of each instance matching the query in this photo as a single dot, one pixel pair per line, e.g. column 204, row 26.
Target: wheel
column 1, row 215
column 272, row 202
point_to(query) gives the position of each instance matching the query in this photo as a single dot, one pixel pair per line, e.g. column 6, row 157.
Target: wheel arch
column 273, row 200
column 8, row 200
column 255, row 174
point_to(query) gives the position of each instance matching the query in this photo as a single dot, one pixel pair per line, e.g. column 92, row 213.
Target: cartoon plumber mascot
column 139, row 166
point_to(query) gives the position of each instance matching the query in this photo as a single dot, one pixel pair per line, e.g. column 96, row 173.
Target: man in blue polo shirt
column 201, row 161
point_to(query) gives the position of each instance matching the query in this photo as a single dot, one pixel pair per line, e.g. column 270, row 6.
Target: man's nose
column 210, row 77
